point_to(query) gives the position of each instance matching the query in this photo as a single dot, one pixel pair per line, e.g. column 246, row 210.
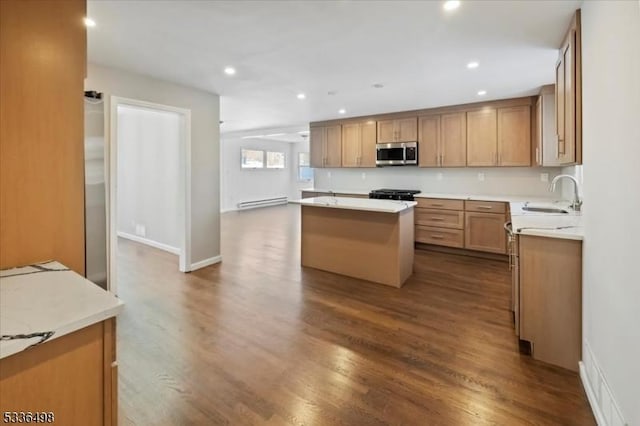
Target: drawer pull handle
column 485, row 207
column 437, row 205
column 437, row 237
column 438, row 219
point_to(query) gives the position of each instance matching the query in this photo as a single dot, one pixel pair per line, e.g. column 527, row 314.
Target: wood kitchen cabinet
column 499, row 137
column 325, row 146
column 482, row 137
column 514, row 136
column 485, row 232
column 442, row 140
column 568, row 97
column 398, row 130
column 359, row 144
column 544, row 128
column 550, row 295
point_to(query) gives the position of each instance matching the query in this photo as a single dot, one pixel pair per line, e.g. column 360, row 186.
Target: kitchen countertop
column 553, row 225
column 364, row 204
column 470, row 197
column 48, row 297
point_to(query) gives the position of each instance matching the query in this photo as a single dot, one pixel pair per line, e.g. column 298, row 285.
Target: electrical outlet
column 364, row 176
column 329, row 175
column 544, row 177
column 481, row 177
column 141, row 230
column 439, row 176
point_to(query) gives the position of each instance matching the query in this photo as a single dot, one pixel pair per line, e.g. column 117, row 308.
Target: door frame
column 184, row 186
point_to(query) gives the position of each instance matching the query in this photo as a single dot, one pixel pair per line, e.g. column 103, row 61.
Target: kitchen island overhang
column 367, row 239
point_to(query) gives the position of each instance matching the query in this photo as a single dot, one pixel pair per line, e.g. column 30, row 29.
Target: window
column 252, row 159
column 275, row 160
column 305, row 172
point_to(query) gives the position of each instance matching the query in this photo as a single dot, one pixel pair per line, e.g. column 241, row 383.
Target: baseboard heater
column 262, row 203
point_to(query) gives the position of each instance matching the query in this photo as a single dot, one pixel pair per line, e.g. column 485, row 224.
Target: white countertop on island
column 49, row 298
column 364, row 204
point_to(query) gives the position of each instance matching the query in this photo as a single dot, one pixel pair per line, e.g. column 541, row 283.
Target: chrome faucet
column 576, row 204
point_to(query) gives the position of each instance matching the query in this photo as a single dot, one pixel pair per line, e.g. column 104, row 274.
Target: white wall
column 497, row 181
column 248, row 184
column 149, row 173
column 611, row 151
column 205, row 144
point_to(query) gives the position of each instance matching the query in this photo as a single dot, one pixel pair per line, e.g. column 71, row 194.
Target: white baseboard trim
column 206, row 262
column 603, row 404
column 146, row 241
column 591, row 396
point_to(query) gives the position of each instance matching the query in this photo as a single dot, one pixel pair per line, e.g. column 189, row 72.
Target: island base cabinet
column 74, row 377
column 551, row 299
column 372, row 246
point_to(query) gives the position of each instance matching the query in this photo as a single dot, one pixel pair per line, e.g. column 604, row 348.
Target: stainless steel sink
column 544, row 209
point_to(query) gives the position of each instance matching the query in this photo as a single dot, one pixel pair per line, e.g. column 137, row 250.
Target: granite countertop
column 48, row 297
column 553, row 225
column 364, row 204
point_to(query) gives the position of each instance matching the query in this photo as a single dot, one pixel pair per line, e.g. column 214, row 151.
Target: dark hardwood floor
column 259, row 340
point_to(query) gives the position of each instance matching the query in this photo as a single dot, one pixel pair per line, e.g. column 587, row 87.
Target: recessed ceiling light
column 89, row 23
column 304, row 132
column 451, row 5
column 274, row 135
column 229, row 71
column 482, row 92
column 253, row 137
column 342, row 111
column 301, row 96
column 472, row 65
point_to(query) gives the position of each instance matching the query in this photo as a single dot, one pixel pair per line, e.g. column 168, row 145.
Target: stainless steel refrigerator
column 95, row 190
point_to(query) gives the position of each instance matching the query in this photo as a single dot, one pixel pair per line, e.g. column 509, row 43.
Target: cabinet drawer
column 439, row 218
column 440, row 236
column 485, row 206
column 440, row 203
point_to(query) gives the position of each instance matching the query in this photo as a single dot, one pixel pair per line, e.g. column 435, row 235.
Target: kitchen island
column 57, row 353
column 362, row 238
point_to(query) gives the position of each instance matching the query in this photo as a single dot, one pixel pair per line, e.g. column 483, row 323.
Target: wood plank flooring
column 259, row 340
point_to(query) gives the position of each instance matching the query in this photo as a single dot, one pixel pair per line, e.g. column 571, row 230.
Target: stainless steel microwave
column 397, row 154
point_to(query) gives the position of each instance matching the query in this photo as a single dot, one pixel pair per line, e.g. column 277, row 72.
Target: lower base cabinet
column 485, row 232
column 72, row 380
column 550, row 293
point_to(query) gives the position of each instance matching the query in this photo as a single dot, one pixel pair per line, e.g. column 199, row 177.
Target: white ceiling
column 415, row 49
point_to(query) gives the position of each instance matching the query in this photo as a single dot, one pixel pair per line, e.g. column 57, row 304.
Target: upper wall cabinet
column 499, row 137
column 442, row 140
column 569, row 96
column 482, row 138
column 398, row 130
column 544, row 128
column 325, row 146
column 359, row 144
column 514, row 136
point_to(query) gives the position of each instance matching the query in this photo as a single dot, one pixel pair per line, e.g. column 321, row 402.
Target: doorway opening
column 149, row 196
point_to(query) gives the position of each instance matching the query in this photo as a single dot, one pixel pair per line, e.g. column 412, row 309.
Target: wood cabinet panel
column 482, row 137
column 514, row 136
column 386, row 131
column 485, row 232
column 359, row 144
column 334, row 146
column 440, row 218
column 317, row 142
column 429, row 141
column 439, row 236
column 440, row 203
column 485, row 206
column 550, row 299
column 351, row 144
column 453, row 140
column 42, row 71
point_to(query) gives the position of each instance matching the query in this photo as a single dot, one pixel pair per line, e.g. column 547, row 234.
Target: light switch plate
column 481, row 177
column 439, row 176
column 364, row 176
column 329, row 175
column 544, row 177
column 141, row 230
